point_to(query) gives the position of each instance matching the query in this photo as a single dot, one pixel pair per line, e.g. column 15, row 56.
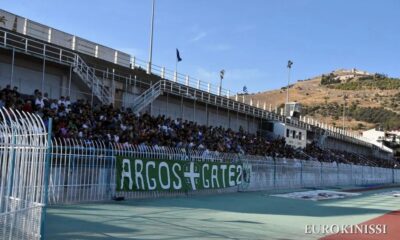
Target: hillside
column 371, row 99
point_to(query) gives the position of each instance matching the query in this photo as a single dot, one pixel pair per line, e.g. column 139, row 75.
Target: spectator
column 67, row 102
column 39, row 103
column 54, row 105
column 28, row 106
column 106, row 123
column 46, row 100
column 15, row 92
column 61, row 101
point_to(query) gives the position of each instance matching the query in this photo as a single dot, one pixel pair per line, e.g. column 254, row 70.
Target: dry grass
column 312, row 93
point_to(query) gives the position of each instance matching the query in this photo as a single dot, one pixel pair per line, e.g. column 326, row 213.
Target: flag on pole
column 244, row 89
column 222, row 73
column 289, row 64
column 178, row 57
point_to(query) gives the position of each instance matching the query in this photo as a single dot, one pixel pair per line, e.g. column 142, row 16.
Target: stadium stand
column 125, row 103
column 117, row 125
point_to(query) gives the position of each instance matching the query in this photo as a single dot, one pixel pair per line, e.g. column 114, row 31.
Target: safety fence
column 291, row 173
column 23, row 144
column 83, row 171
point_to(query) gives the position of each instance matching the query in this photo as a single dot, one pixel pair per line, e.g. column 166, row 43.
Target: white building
column 295, row 137
column 376, row 137
column 345, row 74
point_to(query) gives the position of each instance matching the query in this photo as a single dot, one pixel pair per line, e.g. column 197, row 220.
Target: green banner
column 134, row 174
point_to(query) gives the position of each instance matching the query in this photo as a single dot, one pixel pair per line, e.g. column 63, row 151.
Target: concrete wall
column 28, row 76
column 336, row 144
column 290, row 174
column 203, row 114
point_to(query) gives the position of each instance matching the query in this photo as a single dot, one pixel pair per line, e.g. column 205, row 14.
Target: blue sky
column 251, row 40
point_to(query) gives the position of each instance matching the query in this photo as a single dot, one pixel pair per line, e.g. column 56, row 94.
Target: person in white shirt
column 54, row 105
column 39, row 102
column 67, row 102
column 61, row 101
column 116, row 138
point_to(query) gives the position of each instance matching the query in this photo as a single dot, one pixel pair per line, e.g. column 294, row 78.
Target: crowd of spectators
column 109, row 124
column 330, row 155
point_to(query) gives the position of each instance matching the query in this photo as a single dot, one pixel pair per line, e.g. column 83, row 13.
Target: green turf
column 254, row 215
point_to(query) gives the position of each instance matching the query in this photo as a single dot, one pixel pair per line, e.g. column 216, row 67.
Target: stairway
column 88, row 76
column 147, row 97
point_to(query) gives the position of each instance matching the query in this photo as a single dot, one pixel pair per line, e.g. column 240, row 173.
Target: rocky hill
column 370, row 99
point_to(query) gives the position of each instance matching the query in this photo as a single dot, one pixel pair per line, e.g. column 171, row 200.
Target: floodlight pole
column 151, row 38
column 220, row 86
column 176, row 70
column 221, row 76
column 288, row 83
column 344, row 109
column 289, row 66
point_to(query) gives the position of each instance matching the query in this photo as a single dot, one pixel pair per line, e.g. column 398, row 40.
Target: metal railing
column 84, row 171
column 245, row 108
column 147, row 97
column 88, row 76
column 68, row 41
column 23, row 145
column 58, row 55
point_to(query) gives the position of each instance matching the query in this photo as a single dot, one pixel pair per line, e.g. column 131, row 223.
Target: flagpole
column 151, row 38
column 176, row 70
column 220, row 86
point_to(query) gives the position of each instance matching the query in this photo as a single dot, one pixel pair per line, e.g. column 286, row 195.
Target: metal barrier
column 84, row 171
column 23, row 145
column 270, row 174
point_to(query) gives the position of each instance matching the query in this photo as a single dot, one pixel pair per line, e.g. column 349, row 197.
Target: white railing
column 59, row 55
column 147, row 97
column 87, row 74
column 69, row 41
column 84, row 171
column 23, row 144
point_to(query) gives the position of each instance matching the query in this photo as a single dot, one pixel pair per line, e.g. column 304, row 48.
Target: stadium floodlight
column 221, row 75
column 151, row 39
column 289, row 66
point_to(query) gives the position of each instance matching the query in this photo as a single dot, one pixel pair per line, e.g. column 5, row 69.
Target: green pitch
column 254, row 215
